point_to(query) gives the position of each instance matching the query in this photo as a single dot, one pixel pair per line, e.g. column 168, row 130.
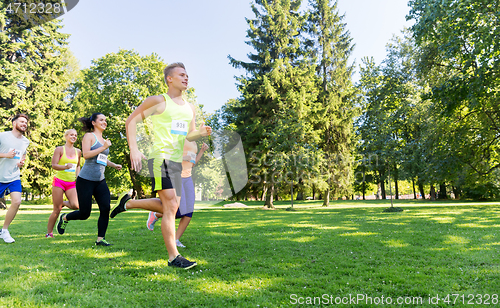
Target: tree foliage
column 432, row 106
column 114, row 85
column 277, row 93
column 335, row 108
column 461, row 60
column 33, row 80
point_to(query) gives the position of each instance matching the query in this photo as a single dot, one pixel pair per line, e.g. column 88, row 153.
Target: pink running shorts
column 65, row 186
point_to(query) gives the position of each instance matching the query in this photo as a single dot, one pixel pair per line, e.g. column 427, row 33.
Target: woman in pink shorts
column 66, row 161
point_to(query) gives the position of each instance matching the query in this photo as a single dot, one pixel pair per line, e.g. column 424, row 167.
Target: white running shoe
column 5, row 235
column 179, row 244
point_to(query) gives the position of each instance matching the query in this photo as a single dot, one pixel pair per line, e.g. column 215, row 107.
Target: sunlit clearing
column 453, row 239
column 395, row 243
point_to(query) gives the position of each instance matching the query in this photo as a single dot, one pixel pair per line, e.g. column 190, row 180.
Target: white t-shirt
column 9, row 171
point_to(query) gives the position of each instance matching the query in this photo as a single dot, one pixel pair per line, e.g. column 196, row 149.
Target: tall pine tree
column 334, row 110
column 33, row 80
column 277, row 93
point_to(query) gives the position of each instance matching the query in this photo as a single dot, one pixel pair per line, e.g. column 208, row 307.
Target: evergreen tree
column 277, row 92
column 33, row 80
column 334, row 110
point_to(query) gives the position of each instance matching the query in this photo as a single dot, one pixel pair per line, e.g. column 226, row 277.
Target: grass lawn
column 251, row 257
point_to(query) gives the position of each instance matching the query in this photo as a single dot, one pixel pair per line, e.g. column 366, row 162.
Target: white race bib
column 102, row 159
column 18, row 153
column 72, row 169
column 179, row 127
column 192, row 157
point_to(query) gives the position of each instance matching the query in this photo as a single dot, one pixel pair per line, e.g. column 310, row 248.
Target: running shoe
column 120, row 204
column 5, row 235
column 152, row 219
column 181, row 262
column 179, row 244
column 102, row 242
column 61, row 225
column 49, row 235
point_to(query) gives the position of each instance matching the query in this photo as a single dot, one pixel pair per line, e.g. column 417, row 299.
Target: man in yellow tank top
column 173, row 122
column 186, row 207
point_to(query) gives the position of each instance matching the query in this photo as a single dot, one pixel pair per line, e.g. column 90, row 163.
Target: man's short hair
column 20, row 115
column 168, row 70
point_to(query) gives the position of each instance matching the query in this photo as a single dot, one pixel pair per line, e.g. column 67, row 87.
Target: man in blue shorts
column 13, row 147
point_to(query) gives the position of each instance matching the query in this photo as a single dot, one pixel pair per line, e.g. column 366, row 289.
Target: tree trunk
column 133, row 177
column 421, row 189
column 414, row 191
column 269, row 197
column 136, row 185
column 442, row 192
column 326, row 199
column 396, row 182
column 363, row 186
column 382, row 189
column 314, row 192
column 300, row 195
column 433, row 193
column 456, row 192
column 264, row 191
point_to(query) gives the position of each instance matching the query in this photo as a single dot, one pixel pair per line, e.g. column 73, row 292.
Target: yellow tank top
column 68, row 175
column 170, row 130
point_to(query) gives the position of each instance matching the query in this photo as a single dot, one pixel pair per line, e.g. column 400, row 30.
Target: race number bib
column 102, row 159
column 179, row 127
column 18, row 153
column 72, row 169
column 192, row 157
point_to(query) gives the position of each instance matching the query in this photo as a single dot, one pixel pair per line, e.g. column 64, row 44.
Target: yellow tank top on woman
column 68, row 175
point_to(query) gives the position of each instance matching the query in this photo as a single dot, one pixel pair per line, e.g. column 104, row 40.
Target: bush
column 482, row 191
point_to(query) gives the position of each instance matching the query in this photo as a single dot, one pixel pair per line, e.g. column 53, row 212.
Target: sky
column 202, row 34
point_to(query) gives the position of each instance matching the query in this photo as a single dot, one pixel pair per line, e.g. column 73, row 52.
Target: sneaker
column 5, row 235
column 152, row 219
column 102, row 242
column 49, row 235
column 120, row 205
column 179, row 244
column 181, row 262
column 61, row 225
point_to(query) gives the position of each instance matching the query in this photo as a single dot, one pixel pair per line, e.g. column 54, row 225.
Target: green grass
column 259, row 258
